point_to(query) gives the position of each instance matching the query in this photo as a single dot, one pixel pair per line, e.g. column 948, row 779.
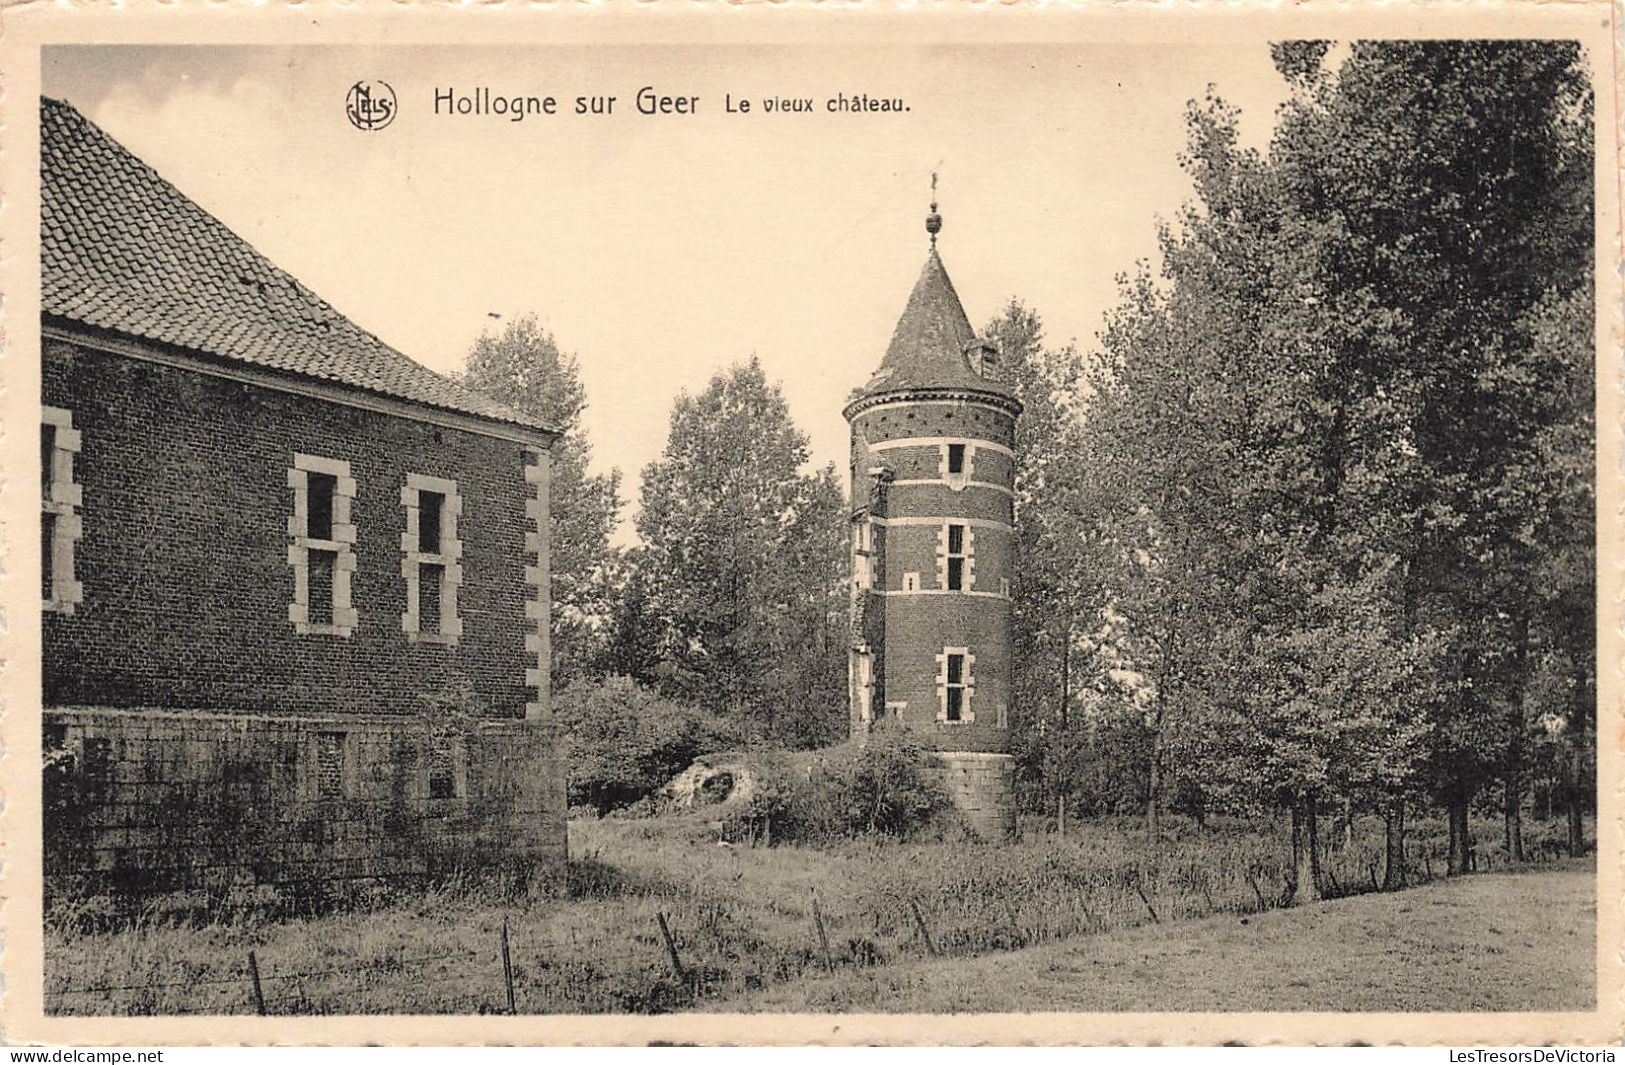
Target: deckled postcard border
column 30, row 25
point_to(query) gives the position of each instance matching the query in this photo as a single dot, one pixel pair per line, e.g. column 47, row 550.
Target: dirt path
column 1492, row 942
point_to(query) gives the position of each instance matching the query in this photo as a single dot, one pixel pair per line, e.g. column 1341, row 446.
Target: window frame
column 341, row 545
column 966, row 685
column 448, row 558
column 956, row 480
column 62, row 498
column 965, row 556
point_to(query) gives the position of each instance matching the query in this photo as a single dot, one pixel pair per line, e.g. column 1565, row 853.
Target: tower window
column 955, row 462
column 954, row 557
column 955, row 685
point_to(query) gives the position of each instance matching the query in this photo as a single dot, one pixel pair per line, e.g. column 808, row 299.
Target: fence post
column 1253, row 880
column 823, row 937
column 254, row 973
column 1148, row 907
column 925, row 933
column 671, row 947
column 507, row 966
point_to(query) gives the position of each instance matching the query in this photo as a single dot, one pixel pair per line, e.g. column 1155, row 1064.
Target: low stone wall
column 140, row 803
column 983, row 790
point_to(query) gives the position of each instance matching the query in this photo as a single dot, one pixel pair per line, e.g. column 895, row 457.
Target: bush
column 626, row 741
column 880, row 789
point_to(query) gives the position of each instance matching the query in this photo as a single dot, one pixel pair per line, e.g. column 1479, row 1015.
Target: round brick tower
column 932, row 548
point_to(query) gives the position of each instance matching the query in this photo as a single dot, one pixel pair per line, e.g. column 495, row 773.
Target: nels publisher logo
column 370, row 105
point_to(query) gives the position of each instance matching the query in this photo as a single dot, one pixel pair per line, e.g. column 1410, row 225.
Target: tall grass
column 587, row 939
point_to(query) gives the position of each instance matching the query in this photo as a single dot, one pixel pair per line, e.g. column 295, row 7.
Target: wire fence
column 675, row 953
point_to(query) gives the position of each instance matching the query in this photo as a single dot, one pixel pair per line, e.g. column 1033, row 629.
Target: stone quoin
column 932, row 540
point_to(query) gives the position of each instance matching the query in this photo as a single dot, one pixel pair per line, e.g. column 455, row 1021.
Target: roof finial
column 933, row 221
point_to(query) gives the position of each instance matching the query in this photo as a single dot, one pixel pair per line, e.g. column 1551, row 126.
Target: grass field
column 744, row 925
column 1491, row 942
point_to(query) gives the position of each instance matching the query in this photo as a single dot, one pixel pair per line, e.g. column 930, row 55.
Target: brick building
column 932, row 548
column 295, row 584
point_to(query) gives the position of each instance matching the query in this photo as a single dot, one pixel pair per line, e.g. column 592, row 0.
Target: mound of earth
column 714, row 780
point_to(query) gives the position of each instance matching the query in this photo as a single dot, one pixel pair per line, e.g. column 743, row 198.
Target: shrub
column 626, row 741
column 880, row 789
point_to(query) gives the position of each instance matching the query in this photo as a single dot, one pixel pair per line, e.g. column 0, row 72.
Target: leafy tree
column 524, row 367
column 1455, row 179
column 1055, row 589
column 743, row 564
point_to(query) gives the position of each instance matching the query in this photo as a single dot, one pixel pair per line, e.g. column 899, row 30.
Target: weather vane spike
column 933, row 221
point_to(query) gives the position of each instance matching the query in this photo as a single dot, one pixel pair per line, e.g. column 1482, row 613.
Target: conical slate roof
column 931, row 346
column 123, row 250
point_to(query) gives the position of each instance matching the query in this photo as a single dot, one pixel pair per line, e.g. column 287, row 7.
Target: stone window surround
column 863, row 682
column 968, row 576
column 956, row 482
column 538, row 640
column 863, row 571
column 449, row 559
column 65, row 498
column 300, row 544
column 967, row 684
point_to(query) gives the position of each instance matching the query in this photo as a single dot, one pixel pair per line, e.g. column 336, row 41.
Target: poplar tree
column 524, row 367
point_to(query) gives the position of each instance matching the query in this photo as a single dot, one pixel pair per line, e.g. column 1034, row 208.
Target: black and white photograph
column 777, row 528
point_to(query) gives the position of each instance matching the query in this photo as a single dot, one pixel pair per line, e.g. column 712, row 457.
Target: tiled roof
column 123, row 250
column 928, row 348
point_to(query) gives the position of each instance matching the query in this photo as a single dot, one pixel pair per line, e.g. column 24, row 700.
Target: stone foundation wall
column 983, row 790
column 146, row 802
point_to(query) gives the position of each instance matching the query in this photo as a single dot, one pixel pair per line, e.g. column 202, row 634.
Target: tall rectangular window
column 321, row 546
column 60, row 499
column 955, row 558
column 956, row 458
column 956, row 685
column 431, row 559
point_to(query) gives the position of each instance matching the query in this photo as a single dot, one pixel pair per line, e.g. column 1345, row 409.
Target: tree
column 1457, row 176
column 1242, row 443
column 743, row 564
column 524, row 367
column 1054, row 594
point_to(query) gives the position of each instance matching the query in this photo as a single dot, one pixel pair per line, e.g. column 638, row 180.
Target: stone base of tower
column 983, row 790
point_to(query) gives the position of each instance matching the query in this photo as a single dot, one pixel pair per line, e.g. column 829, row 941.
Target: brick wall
column 184, row 554
column 142, row 802
column 910, row 631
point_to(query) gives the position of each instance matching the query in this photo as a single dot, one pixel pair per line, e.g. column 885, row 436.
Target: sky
column 661, row 248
